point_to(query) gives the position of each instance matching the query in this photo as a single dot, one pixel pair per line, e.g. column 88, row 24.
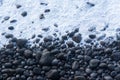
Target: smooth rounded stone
column 9, row 35
column 79, row 78
column 41, row 16
column 8, row 65
column 88, row 71
column 93, row 75
column 21, row 42
column 11, row 28
column 38, row 55
column 87, row 58
column 108, row 78
column 48, row 38
column 36, row 71
column 77, row 51
column 81, row 57
column 8, row 78
column 64, row 37
column 117, row 69
column 46, row 68
column 117, row 77
column 29, row 78
column 20, row 70
column 10, row 71
column 55, row 51
column 71, row 34
column 111, row 67
column 13, row 21
column 24, row 14
column 6, row 18
column 88, row 40
column 90, row 4
column 108, row 50
column 70, row 44
column 39, row 78
column 75, row 65
column 46, row 29
column 5, row 71
column 53, row 74
column 77, row 38
column 115, row 56
column 62, row 73
column 55, row 62
column 26, row 73
column 67, row 66
column 94, row 63
column 63, row 46
column 61, row 56
column 46, row 59
column 30, row 62
column 23, row 77
column 92, row 36
column 40, row 36
column 47, row 10
column 28, row 53
column 103, row 65
column 113, row 73
column 76, row 30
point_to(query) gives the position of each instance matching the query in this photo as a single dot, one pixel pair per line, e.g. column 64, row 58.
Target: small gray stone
column 94, row 63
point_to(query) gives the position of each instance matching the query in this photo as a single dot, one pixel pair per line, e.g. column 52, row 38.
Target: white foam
column 68, row 14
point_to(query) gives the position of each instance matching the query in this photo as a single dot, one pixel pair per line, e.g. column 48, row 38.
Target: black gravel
column 13, row 21
column 11, row 28
column 60, row 59
column 24, row 14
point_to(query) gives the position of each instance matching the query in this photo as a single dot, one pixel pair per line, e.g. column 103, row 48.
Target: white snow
column 68, row 14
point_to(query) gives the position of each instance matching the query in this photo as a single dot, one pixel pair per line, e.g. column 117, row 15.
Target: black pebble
column 45, row 29
column 6, row 18
column 94, row 63
column 47, row 10
column 39, row 35
column 75, row 65
column 9, row 35
column 91, row 4
column 13, row 21
column 42, row 16
column 79, row 78
column 115, row 56
column 11, row 28
column 117, row 77
column 21, row 42
column 48, row 38
column 70, row 44
column 46, row 59
column 53, row 74
column 24, row 14
column 92, row 36
column 19, row 70
column 28, row 53
column 45, row 4
column 77, row 38
column 37, row 71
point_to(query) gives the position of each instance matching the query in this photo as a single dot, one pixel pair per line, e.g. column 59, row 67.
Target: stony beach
column 59, row 40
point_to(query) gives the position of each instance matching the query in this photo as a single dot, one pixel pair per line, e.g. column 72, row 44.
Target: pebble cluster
column 60, row 59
